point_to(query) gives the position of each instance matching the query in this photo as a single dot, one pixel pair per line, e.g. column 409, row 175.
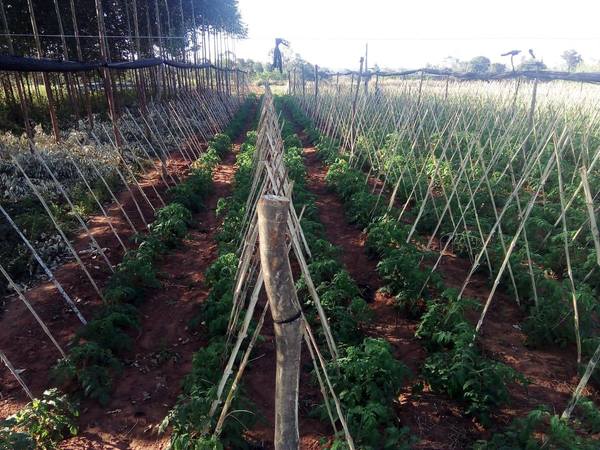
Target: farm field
column 202, row 252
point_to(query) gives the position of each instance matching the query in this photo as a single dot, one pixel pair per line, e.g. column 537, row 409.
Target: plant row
column 470, row 152
column 95, row 355
column 366, row 377
column 189, row 419
column 456, row 365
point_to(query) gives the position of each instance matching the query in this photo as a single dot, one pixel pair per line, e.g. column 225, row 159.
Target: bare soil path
column 162, row 353
column 432, row 418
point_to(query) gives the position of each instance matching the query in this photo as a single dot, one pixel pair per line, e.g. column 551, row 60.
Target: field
column 440, row 239
column 204, row 250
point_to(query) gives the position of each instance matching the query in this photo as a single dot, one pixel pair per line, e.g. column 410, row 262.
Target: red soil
column 149, row 384
column 259, row 383
column 163, row 349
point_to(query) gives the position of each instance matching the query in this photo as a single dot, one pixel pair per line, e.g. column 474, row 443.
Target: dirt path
column 162, row 353
column 259, row 384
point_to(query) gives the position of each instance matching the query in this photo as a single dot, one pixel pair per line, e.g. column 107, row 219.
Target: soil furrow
column 163, row 351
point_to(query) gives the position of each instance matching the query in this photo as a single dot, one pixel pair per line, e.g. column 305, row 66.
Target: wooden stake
column 316, row 81
column 49, row 95
column 279, row 285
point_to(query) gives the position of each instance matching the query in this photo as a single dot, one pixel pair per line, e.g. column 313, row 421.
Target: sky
column 412, row 34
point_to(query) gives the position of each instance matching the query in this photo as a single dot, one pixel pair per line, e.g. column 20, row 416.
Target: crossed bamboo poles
column 150, row 137
column 270, row 178
column 468, row 140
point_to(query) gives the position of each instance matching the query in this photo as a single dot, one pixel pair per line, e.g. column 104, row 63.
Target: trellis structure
column 270, row 179
column 136, row 152
column 71, row 89
column 502, row 171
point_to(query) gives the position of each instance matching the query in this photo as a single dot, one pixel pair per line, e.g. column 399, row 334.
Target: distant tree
column 531, row 65
column 453, row 63
column 249, row 65
column 258, row 67
column 497, row 68
column 449, row 62
column 480, row 64
column 572, row 59
column 213, row 15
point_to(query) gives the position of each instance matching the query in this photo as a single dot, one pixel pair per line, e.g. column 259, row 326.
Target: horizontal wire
column 88, row 36
column 357, row 38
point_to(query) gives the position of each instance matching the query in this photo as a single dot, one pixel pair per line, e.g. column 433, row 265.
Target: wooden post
column 367, row 75
column 446, row 91
column 531, row 115
column 352, row 124
column 316, row 81
column 107, row 76
column 18, row 76
column 49, row 95
column 272, row 228
column 86, row 79
column 420, row 87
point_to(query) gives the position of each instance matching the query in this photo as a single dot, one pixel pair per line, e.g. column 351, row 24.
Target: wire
column 89, row 36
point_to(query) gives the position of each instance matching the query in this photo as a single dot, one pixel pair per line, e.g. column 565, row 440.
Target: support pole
column 45, row 77
column 272, row 228
column 15, row 374
column 316, row 82
column 107, row 76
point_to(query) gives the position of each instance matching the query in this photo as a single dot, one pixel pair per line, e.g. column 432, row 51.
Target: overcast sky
column 410, row 34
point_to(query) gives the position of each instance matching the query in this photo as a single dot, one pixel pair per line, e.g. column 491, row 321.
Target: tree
column 258, row 67
column 497, row 68
column 531, row 65
column 572, row 59
column 174, row 17
column 455, row 64
column 480, row 64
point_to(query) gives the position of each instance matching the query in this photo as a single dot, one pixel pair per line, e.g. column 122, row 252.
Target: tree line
column 483, row 65
column 166, row 28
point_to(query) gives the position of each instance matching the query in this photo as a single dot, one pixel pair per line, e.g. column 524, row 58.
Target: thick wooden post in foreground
column 272, row 228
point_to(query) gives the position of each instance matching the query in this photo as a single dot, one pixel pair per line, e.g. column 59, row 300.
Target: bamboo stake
column 568, row 257
column 15, row 374
column 31, row 310
column 70, row 303
column 58, row 228
column 511, row 247
column 590, row 207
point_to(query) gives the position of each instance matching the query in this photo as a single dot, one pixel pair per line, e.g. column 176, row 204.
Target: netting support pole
column 273, row 229
column 46, row 79
column 108, row 82
column 316, row 82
